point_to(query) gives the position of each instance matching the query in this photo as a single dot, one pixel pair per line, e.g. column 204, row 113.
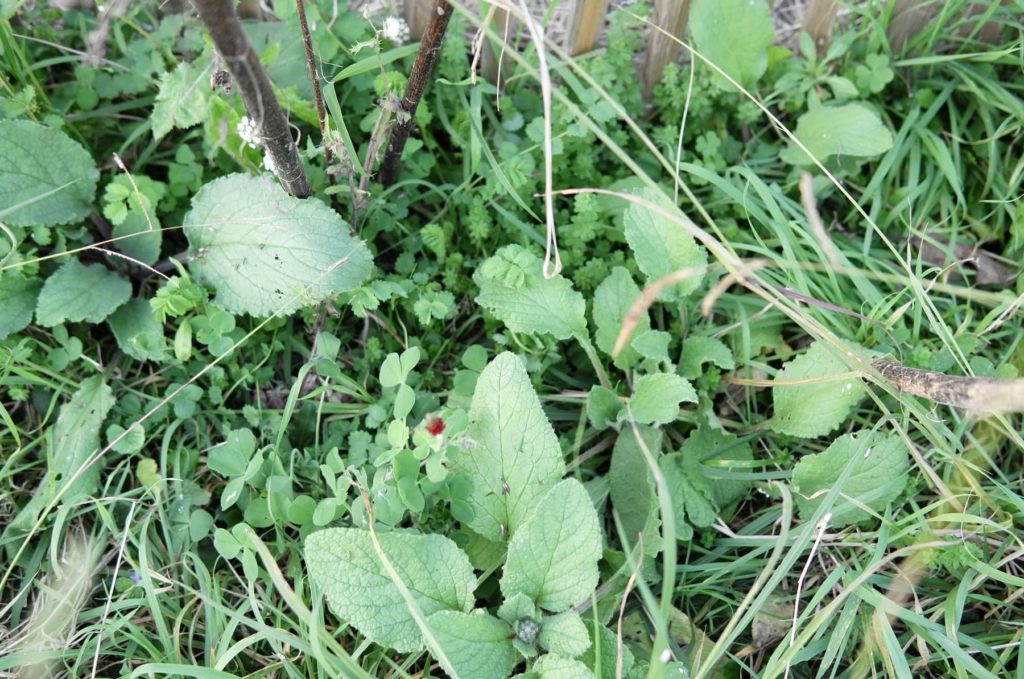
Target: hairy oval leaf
column 477, row 644
column 849, row 130
column 661, row 246
column 814, row 393
column 511, row 454
column 80, row 292
column 345, row 565
column 266, row 252
column 734, row 35
column 46, row 178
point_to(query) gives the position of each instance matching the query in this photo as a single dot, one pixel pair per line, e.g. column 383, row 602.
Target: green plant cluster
column 375, row 433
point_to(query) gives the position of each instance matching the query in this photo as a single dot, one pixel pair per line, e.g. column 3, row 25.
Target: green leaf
column 662, row 246
column 45, row 178
column 512, row 456
column 80, row 292
column 515, row 291
column 230, row 458
column 698, row 350
column 607, row 645
column 347, row 568
column 709, row 445
column 182, row 100
column 656, row 398
column 612, row 300
column 551, row 666
column 630, row 484
column 553, row 557
column 734, row 35
column 138, row 332
column 19, row 296
column 690, row 492
column 849, row 130
column 652, row 344
column 564, row 634
column 878, row 471
column 603, row 407
column 822, row 393
column 141, row 241
column 477, row 644
column 266, row 252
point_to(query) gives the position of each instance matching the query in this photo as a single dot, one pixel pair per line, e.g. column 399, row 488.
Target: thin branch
column 426, row 59
column 260, row 103
column 321, row 114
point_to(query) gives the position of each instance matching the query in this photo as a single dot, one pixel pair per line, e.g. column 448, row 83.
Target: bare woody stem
column 252, row 82
column 307, row 43
column 426, row 59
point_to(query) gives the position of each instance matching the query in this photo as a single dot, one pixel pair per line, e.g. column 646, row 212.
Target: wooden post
column 417, row 14
column 585, row 26
column 819, row 18
column 670, row 15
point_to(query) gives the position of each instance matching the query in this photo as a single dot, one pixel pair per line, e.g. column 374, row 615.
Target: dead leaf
column 989, row 270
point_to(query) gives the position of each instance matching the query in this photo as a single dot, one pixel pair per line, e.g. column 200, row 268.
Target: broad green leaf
column 19, row 296
column 74, row 439
column 183, row 99
column 603, row 407
column 698, row 350
column 848, row 130
column 266, row 252
column 138, row 333
column 630, row 484
column 230, row 458
column 80, row 292
column 814, row 393
column 612, row 300
column 879, row 470
column 653, row 345
column 477, row 644
column 551, row 666
column 553, row 557
column 662, row 246
column 46, row 178
column 656, row 398
column 606, row 643
column 690, row 491
column 347, row 568
column 734, row 35
column 564, row 634
column 512, row 456
column 140, row 239
column 707, row 445
column 514, row 290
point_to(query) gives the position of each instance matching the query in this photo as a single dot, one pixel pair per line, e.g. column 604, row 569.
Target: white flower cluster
column 395, row 29
column 249, row 132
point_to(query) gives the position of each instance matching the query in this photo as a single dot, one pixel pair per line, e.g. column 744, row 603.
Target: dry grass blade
column 975, row 394
column 814, row 219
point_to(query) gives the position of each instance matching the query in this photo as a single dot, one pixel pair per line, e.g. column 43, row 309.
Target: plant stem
column 260, row 103
column 426, row 59
column 321, row 114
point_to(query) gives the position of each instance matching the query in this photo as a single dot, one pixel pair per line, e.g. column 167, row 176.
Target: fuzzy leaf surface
column 848, row 130
column 662, row 246
column 80, row 292
column 19, row 296
column 182, row 100
column 512, row 455
column 734, row 35
column 553, row 557
column 477, row 644
column 138, row 332
column 46, row 178
column 813, row 397
column 656, row 398
column 344, row 564
column 879, row 475
column 612, row 300
column 266, row 252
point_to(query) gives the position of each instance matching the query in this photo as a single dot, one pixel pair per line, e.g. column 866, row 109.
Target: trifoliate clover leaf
column 266, row 252
column 514, row 290
column 878, row 470
column 345, row 564
column 80, row 292
column 510, row 452
column 46, row 178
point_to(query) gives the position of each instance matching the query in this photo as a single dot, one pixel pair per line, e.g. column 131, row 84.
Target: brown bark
column 253, row 84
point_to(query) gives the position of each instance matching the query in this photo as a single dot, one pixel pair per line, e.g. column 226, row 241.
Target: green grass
column 155, row 574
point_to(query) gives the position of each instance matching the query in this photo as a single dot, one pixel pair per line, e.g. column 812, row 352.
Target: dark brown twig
column 252, row 82
column 321, row 114
column 426, row 59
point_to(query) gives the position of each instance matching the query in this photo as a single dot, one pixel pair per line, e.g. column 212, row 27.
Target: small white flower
column 249, row 132
column 268, row 163
column 395, row 29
